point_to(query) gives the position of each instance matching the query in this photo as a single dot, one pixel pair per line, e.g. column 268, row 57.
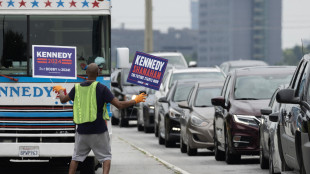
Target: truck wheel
column 88, row 166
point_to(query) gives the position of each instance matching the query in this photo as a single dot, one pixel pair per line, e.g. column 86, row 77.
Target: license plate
column 29, row 151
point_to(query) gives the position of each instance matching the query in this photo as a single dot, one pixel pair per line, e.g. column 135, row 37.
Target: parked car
column 294, row 124
column 145, row 115
column 269, row 147
column 198, row 117
column 175, row 59
column 124, row 90
column 208, row 74
column 237, row 115
column 229, row 66
column 170, row 112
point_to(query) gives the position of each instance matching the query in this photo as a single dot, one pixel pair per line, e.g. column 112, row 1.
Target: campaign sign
column 54, row 62
column 147, row 70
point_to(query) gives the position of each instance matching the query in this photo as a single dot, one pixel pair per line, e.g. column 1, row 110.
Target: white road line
column 168, row 165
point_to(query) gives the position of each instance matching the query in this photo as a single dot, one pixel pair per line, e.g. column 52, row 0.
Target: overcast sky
column 176, row 14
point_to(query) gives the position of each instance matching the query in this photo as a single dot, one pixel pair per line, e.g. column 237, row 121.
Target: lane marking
column 165, row 163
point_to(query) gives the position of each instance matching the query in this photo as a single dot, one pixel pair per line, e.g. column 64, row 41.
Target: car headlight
column 196, row 121
column 247, row 120
column 152, row 107
column 174, row 114
column 130, row 97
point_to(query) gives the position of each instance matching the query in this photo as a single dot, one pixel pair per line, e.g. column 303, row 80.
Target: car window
column 302, row 81
column 225, row 86
column 255, row 87
column 205, row 76
column 296, row 76
column 228, row 88
column 181, row 92
column 176, row 60
column 204, row 96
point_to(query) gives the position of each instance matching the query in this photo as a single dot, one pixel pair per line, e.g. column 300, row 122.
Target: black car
column 170, row 112
column 145, row 114
column 294, row 124
column 124, row 90
column 197, row 118
column 237, row 115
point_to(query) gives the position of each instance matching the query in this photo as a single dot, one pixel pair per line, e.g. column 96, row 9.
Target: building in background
column 184, row 41
column 239, row 29
column 195, row 14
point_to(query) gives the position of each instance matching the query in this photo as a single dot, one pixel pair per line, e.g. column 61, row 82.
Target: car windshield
column 256, row 87
column 124, row 78
column 175, row 61
column 181, row 92
column 205, row 76
column 204, row 96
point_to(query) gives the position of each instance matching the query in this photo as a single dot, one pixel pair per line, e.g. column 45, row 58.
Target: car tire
column 168, row 143
column 264, row 163
column 191, row 151
column 161, row 140
column 148, row 129
column 271, row 167
column 122, row 121
column 230, row 158
column 88, row 166
column 156, row 130
column 183, row 147
column 140, row 127
column 218, row 154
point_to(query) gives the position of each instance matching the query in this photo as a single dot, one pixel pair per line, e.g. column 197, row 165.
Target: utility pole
column 148, row 32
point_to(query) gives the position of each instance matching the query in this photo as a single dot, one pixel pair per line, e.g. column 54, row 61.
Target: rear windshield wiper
column 246, row 99
column 11, row 78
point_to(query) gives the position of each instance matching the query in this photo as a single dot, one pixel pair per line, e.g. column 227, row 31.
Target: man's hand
column 140, row 98
column 58, row 88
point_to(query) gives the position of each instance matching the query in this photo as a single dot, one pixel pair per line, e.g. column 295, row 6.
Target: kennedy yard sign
column 54, row 62
column 147, row 70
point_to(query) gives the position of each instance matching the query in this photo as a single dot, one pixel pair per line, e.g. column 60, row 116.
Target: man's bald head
column 92, row 70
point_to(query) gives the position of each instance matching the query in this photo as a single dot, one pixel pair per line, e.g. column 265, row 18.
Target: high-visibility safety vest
column 85, row 104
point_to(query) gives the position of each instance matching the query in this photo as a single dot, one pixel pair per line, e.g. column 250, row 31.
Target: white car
column 175, row 59
column 205, row 74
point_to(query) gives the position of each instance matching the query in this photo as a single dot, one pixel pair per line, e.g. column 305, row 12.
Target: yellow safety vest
column 85, row 104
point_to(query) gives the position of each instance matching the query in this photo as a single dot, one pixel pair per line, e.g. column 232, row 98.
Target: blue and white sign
column 54, row 62
column 147, row 70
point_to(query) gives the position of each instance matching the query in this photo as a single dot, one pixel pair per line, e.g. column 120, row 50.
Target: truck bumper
column 45, row 149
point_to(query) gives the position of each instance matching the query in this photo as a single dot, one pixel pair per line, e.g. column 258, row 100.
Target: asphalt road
column 135, row 152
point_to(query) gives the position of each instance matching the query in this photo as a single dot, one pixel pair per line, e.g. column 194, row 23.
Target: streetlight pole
column 148, row 32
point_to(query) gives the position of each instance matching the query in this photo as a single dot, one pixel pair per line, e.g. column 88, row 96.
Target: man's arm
column 63, row 98
column 122, row 104
column 125, row 104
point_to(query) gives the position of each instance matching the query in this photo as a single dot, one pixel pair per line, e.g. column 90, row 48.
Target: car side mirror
column 218, row 101
column 266, row 111
column 287, row 96
column 114, row 84
column 163, row 100
column 184, row 105
column 274, row 117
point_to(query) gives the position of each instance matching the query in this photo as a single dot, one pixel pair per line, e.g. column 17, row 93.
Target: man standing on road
column 90, row 113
